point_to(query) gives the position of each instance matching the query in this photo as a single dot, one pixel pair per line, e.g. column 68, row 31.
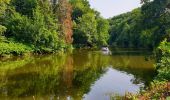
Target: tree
column 89, row 28
column 25, row 7
column 80, row 7
column 65, row 11
column 155, row 15
column 148, row 25
column 39, row 31
column 145, row 1
column 102, row 31
column 86, row 30
column 3, row 7
column 125, row 29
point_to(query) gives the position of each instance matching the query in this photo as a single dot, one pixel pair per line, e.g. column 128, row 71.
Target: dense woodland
column 46, row 26
column 49, row 26
column 144, row 27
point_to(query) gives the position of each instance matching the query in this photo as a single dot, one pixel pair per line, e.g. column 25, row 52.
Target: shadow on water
column 79, row 75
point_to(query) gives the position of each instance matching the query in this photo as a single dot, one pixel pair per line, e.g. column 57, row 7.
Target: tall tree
column 25, row 7
column 3, row 7
column 102, row 31
column 86, row 30
column 65, row 11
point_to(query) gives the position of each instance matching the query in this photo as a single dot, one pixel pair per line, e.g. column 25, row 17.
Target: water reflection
column 89, row 75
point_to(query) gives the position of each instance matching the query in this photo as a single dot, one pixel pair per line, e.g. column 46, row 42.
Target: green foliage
column 35, row 25
column 3, row 6
column 30, row 31
column 156, row 91
column 164, row 64
column 32, row 22
column 102, row 31
column 13, row 48
column 38, row 23
column 25, row 7
column 89, row 28
column 144, row 27
column 2, row 29
column 80, row 7
column 125, row 29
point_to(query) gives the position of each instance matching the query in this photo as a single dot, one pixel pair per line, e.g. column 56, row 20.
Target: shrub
column 14, row 48
column 164, row 64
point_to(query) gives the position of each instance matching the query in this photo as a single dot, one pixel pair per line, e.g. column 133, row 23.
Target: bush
column 13, row 48
column 156, row 91
column 30, row 31
column 164, row 64
column 2, row 29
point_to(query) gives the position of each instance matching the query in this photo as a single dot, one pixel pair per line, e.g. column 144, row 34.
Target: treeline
column 35, row 24
column 44, row 26
column 51, row 25
column 144, row 27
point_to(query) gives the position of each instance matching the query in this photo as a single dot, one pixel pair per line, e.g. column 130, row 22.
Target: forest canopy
column 49, row 26
column 144, row 27
column 52, row 25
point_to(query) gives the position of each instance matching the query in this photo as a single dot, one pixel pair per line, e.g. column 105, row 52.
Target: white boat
column 105, row 49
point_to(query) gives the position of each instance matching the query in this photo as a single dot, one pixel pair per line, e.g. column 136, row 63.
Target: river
column 81, row 75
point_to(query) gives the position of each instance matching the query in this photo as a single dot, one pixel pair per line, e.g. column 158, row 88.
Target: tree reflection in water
column 70, row 75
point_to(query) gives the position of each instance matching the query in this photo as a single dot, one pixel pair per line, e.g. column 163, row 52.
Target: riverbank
column 13, row 49
column 10, row 49
column 157, row 90
column 19, row 49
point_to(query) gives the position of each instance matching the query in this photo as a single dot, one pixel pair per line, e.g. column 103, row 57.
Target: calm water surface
column 81, row 75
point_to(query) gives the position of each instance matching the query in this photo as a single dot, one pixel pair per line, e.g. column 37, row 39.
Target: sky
column 110, row 8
